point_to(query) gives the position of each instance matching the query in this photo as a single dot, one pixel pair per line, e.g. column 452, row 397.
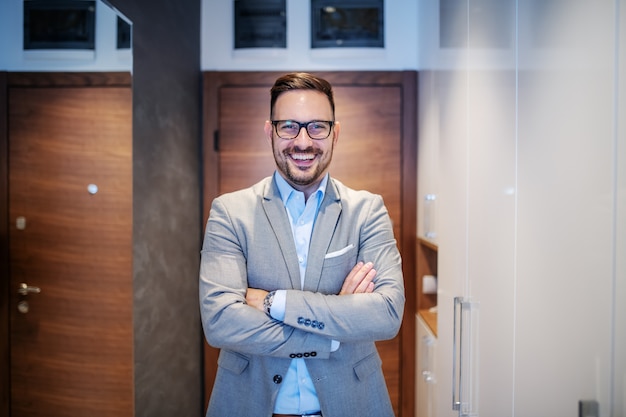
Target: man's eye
column 289, row 127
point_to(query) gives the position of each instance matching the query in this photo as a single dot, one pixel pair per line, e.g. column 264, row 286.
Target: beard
column 299, row 176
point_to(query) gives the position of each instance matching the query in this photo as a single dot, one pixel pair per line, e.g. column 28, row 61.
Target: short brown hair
column 301, row 81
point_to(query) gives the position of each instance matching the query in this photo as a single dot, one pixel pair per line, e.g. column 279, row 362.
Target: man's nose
column 303, row 136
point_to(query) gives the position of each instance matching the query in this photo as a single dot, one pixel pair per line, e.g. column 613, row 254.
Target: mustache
column 297, row 149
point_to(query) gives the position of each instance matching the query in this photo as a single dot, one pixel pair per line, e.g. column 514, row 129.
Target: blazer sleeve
column 357, row 317
column 227, row 320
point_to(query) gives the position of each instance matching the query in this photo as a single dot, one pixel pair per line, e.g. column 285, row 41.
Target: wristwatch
column 267, row 302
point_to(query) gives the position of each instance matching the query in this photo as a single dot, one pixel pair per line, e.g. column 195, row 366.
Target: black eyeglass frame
column 304, row 125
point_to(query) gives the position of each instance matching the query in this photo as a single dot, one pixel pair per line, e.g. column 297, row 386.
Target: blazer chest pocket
column 344, row 256
column 232, row 361
column 337, row 265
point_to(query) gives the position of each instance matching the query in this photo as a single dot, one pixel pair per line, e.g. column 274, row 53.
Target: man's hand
column 255, row 297
column 359, row 280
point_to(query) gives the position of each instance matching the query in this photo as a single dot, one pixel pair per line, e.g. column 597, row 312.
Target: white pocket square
column 339, row 252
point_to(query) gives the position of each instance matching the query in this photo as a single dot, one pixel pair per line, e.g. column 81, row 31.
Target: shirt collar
column 285, row 189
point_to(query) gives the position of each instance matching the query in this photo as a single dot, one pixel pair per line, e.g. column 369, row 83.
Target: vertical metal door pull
column 456, row 404
column 465, row 358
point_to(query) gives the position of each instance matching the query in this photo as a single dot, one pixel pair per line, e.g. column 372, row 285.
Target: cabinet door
column 528, row 205
column 567, row 214
column 475, row 234
column 428, row 160
column 425, row 370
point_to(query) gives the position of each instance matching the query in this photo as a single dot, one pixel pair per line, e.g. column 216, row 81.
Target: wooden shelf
column 428, row 243
column 430, row 318
column 426, row 258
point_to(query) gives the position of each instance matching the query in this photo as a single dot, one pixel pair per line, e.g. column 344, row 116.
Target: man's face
column 302, row 161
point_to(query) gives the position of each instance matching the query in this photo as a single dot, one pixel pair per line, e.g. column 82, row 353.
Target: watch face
column 267, row 302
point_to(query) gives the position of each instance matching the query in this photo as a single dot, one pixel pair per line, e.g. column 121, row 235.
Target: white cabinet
column 530, row 205
column 425, row 369
column 427, row 161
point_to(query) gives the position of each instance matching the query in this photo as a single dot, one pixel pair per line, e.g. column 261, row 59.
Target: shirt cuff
column 334, row 345
column 277, row 310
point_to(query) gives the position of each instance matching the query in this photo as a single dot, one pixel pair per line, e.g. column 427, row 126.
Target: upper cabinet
column 312, row 43
column 62, row 35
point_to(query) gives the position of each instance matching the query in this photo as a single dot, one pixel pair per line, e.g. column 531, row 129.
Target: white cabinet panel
column 425, row 342
column 491, row 231
column 428, row 158
column 619, row 389
column 452, row 223
column 566, row 213
column 531, row 198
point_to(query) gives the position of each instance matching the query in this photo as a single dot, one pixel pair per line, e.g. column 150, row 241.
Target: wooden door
column 368, row 156
column 70, row 237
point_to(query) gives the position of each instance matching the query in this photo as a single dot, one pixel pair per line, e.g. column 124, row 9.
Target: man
column 288, row 288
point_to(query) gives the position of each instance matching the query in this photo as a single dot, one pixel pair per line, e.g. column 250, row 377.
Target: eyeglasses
column 290, row 129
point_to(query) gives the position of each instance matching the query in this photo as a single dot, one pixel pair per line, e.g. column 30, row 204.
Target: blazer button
column 278, row 379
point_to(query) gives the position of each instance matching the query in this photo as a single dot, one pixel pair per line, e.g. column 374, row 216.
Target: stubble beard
column 297, row 176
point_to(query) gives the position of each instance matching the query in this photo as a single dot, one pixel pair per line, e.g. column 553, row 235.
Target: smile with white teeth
column 302, row 156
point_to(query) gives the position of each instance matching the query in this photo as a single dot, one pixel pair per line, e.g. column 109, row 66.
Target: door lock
column 23, row 307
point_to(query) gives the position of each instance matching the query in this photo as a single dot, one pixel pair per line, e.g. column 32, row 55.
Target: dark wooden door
column 70, row 239
column 369, row 155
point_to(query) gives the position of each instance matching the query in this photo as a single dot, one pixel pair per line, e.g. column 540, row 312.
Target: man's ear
column 268, row 128
column 336, row 129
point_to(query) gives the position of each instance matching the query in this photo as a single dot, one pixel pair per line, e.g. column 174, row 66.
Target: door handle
column 25, row 289
column 465, row 357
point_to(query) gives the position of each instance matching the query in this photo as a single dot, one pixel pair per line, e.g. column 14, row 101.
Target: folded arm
column 370, row 304
column 228, row 321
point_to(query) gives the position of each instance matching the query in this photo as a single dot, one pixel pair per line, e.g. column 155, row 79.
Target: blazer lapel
column 277, row 216
column 323, row 232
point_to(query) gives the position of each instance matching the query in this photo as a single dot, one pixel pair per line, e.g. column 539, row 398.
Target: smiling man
column 300, row 276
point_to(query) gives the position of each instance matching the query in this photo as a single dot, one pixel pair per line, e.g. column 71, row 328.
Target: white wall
column 218, row 53
column 105, row 57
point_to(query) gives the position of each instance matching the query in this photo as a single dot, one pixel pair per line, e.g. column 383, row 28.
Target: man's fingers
column 348, row 285
column 358, row 279
column 367, row 284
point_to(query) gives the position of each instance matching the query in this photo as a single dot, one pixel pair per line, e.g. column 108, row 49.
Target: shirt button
column 278, row 379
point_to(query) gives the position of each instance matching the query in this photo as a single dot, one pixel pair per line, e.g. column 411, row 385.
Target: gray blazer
column 248, row 243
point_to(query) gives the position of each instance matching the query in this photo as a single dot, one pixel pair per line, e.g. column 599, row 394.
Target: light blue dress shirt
column 297, row 393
